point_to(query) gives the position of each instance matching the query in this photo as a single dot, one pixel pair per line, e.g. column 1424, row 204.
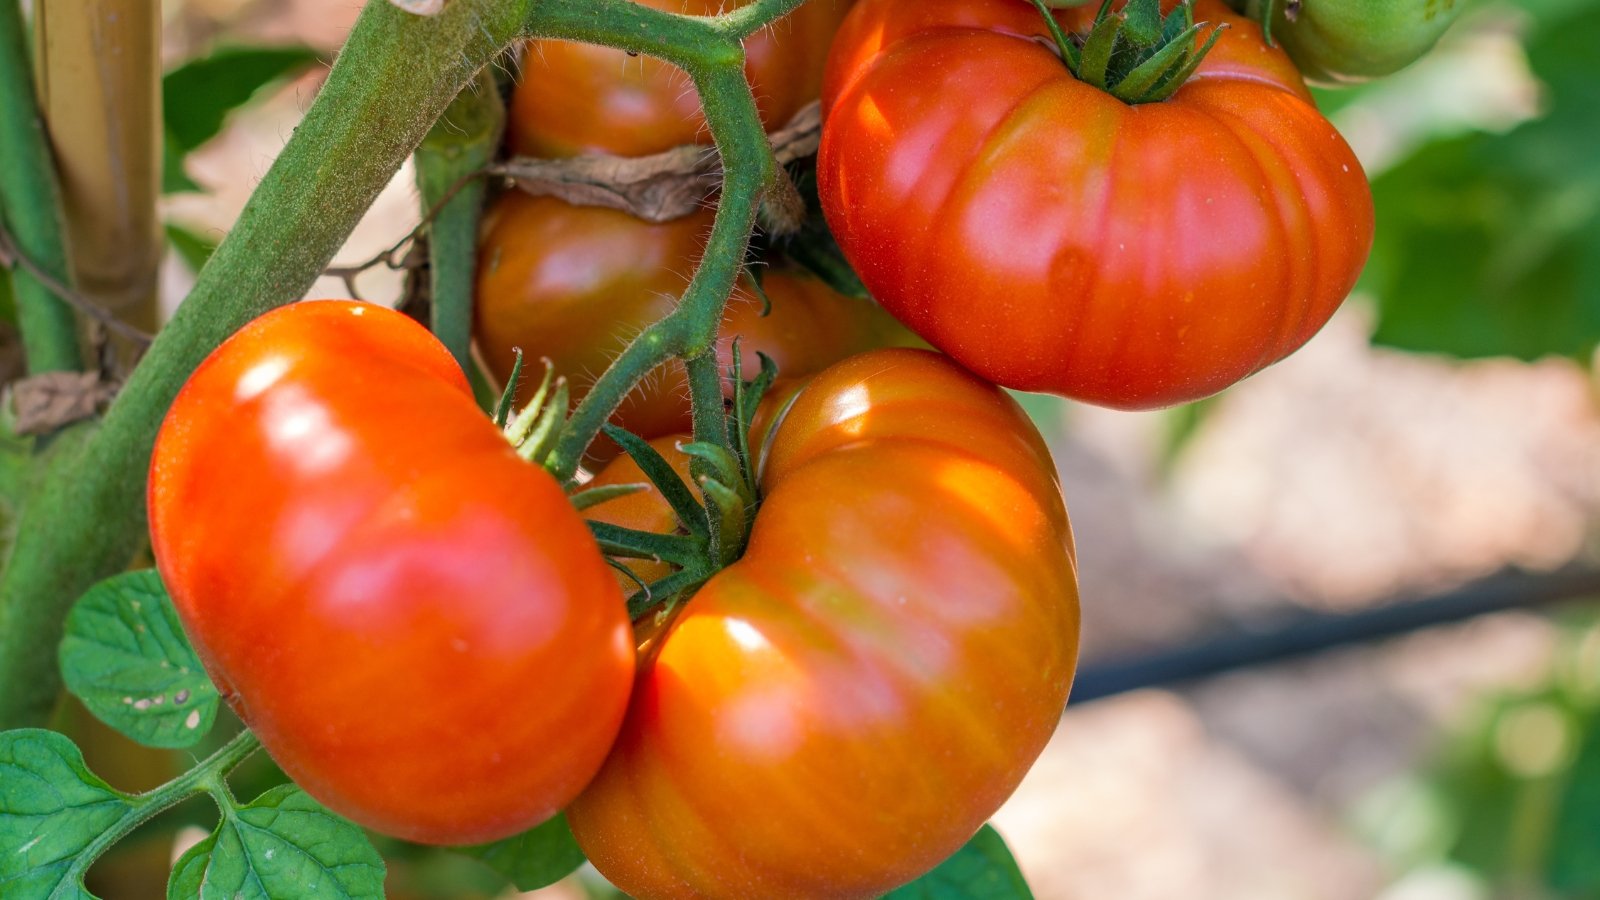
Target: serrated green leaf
column 51, row 809
column 192, row 248
column 126, row 657
column 982, row 870
column 536, row 858
column 283, row 844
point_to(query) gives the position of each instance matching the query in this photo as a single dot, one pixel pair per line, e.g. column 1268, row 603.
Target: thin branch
column 12, row 255
column 391, row 257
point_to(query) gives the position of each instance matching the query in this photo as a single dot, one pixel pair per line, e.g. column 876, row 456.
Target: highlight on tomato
column 574, row 284
column 1130, row 229
column 415, row 622
column 839, row 710
column 580, row 98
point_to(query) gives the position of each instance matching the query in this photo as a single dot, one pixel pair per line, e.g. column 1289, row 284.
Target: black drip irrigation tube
column 1276, row 639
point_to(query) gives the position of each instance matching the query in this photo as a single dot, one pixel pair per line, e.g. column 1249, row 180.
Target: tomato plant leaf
column 283, row 844
column 1489, row 244
column 982, row 870
column 198, row 95
column 1574, row 864
column 536, row 858
column 126, row 657
column 52, row 808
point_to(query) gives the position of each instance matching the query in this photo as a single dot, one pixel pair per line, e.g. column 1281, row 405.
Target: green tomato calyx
column 1136, row 54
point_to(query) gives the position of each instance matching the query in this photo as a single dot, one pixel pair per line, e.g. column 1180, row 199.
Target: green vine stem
column 459, row 146
column 207, row 777
column 394, row 78
column 30, row 206
column 690, row 331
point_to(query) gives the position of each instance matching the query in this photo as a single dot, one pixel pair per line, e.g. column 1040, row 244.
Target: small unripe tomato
column 414, row 621
column 1348, row 41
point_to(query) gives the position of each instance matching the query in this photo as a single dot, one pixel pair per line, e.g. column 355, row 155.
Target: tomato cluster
column 424, row 632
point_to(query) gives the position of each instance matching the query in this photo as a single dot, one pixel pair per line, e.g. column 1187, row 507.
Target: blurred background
column 1442, row 430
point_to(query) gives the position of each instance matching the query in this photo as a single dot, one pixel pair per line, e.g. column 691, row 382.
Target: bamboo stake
column 98, row 68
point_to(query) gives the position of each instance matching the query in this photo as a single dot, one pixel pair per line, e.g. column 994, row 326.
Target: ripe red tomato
column 413, row 620
column 842, row 708
column 1053, row 238
column 575, row 284
column 579, row 98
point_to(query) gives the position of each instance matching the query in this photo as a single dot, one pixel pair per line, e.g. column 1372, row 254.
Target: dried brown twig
column 655, row 188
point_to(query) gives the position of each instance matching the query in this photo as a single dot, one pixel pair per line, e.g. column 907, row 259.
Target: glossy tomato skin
column 1053, row 238
column 574, row 284
column 414, row 621
column 1350, row 41
column 579, row 98
column 841, row 709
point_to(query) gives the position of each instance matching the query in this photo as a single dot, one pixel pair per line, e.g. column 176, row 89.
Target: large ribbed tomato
column 414, row 621
column 1052, row 237
column 839, row 710
column 580, row 98
column 574, row 284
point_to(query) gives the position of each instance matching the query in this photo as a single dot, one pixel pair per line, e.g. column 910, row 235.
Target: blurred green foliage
column 1513, row 805
column 1489, row 244
column 198, row 96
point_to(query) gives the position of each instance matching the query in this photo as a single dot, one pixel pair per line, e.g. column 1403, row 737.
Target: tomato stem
column 459, row 146
column 690, row 331
column 207, row 777
column 1069, row 50
column 30, row 206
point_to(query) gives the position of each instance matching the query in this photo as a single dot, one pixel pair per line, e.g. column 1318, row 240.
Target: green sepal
column 691, row 515
column 1097, row 50
column 508, row 396
column 662, row 591
column 1169, row 83
column 536, row 447
column 1149, row 73
column 631, row 543
column 723, row 465
column 753, row 277
column 589, row 498
column 1142, row 22
column 734, row 513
